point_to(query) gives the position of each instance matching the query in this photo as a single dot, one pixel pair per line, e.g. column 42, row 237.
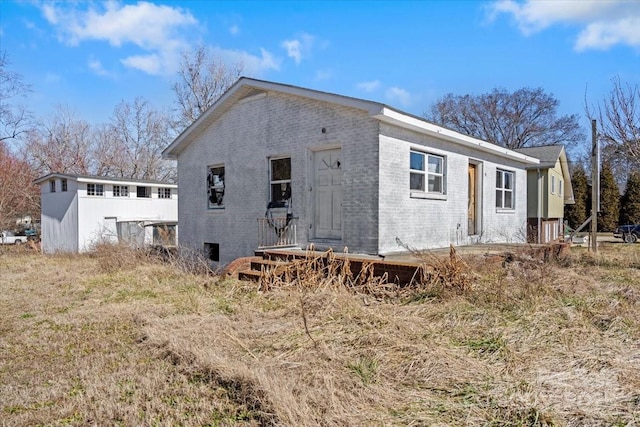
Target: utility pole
column 595, row 187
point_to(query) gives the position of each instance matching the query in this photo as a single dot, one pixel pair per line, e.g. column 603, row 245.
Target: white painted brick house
column 352, row 173
column 79, row 211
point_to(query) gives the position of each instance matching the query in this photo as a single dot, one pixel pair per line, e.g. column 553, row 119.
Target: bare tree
column 14, row 117
column 61, row 144
column 131, row 145
column 618, row 119
column 18, row 195
column 202, row 79
column 524, row 118
column 109, row 156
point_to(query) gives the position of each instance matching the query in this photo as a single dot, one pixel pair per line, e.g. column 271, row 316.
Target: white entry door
column 327, row 221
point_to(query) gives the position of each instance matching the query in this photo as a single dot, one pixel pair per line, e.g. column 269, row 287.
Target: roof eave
column 107, row 180
column 102, row 180
column 52, row 175
column 397, row 118
column 564, row 165
column 172, row 151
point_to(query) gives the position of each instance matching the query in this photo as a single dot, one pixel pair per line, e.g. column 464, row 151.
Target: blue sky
column 92, row 55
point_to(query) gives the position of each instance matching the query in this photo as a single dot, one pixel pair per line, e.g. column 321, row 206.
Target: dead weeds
column 434, row 275
column 522, row 343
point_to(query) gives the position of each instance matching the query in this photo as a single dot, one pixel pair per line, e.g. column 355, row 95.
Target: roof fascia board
column 373, row 108
column 569, row 197
column 101, row 180
column 53, row 175
column 394, row 117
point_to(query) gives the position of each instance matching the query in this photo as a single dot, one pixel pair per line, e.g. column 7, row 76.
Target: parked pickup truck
column 9, row 238
column 628, row 233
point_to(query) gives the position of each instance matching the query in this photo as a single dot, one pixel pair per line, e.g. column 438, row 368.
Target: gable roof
column 549, row 155
column 251, row 88
column 102, row 180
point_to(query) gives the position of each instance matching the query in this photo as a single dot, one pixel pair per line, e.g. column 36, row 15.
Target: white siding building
column 79, row 211
column 345, row 171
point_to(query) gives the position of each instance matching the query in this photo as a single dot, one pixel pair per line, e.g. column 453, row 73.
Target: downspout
column 539, row 205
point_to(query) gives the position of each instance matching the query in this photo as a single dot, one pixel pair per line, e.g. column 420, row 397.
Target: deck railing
column 277, row 232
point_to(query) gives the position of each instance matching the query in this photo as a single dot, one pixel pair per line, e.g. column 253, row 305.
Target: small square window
column 164, row 193
column 215, row 187
column 120, row 191
column 95, row 190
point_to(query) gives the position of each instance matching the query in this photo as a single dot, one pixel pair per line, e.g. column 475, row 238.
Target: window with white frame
column 553, row 184
column 120, row 191
column 280, row 180
column 560, row 187
column 52, row 186
column 215, row 187
column 164, row 193
column 95, row 190
column 63, row 184
column 426, row 172
column 504, row 189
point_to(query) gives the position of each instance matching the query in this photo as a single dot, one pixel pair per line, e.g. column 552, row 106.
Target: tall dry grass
column 527, row 343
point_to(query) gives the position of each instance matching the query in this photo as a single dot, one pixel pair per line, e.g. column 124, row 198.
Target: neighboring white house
column 346, row 171
column 79, row 211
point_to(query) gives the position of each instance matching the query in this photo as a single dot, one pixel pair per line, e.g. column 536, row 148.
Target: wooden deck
column 400, row 272
column 399, row 269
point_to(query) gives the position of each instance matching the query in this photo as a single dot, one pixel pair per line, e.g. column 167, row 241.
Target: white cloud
column 157, row 30
column 293, row 49
column 234, row 30
column 370, row 86
column 603, row 35
column 150, row 64
column 398, row 96
column 50, row 13
column 253, row 65
column 96, row 67
column 300, row 47
column 604, row 23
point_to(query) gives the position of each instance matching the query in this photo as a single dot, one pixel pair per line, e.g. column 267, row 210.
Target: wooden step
column 259, row 264
column 249, row 275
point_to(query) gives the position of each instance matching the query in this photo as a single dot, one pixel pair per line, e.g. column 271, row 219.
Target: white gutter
column 390, row 116
column 136, row 183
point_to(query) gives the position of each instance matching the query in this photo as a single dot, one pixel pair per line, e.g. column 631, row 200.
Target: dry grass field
column 119, row 338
